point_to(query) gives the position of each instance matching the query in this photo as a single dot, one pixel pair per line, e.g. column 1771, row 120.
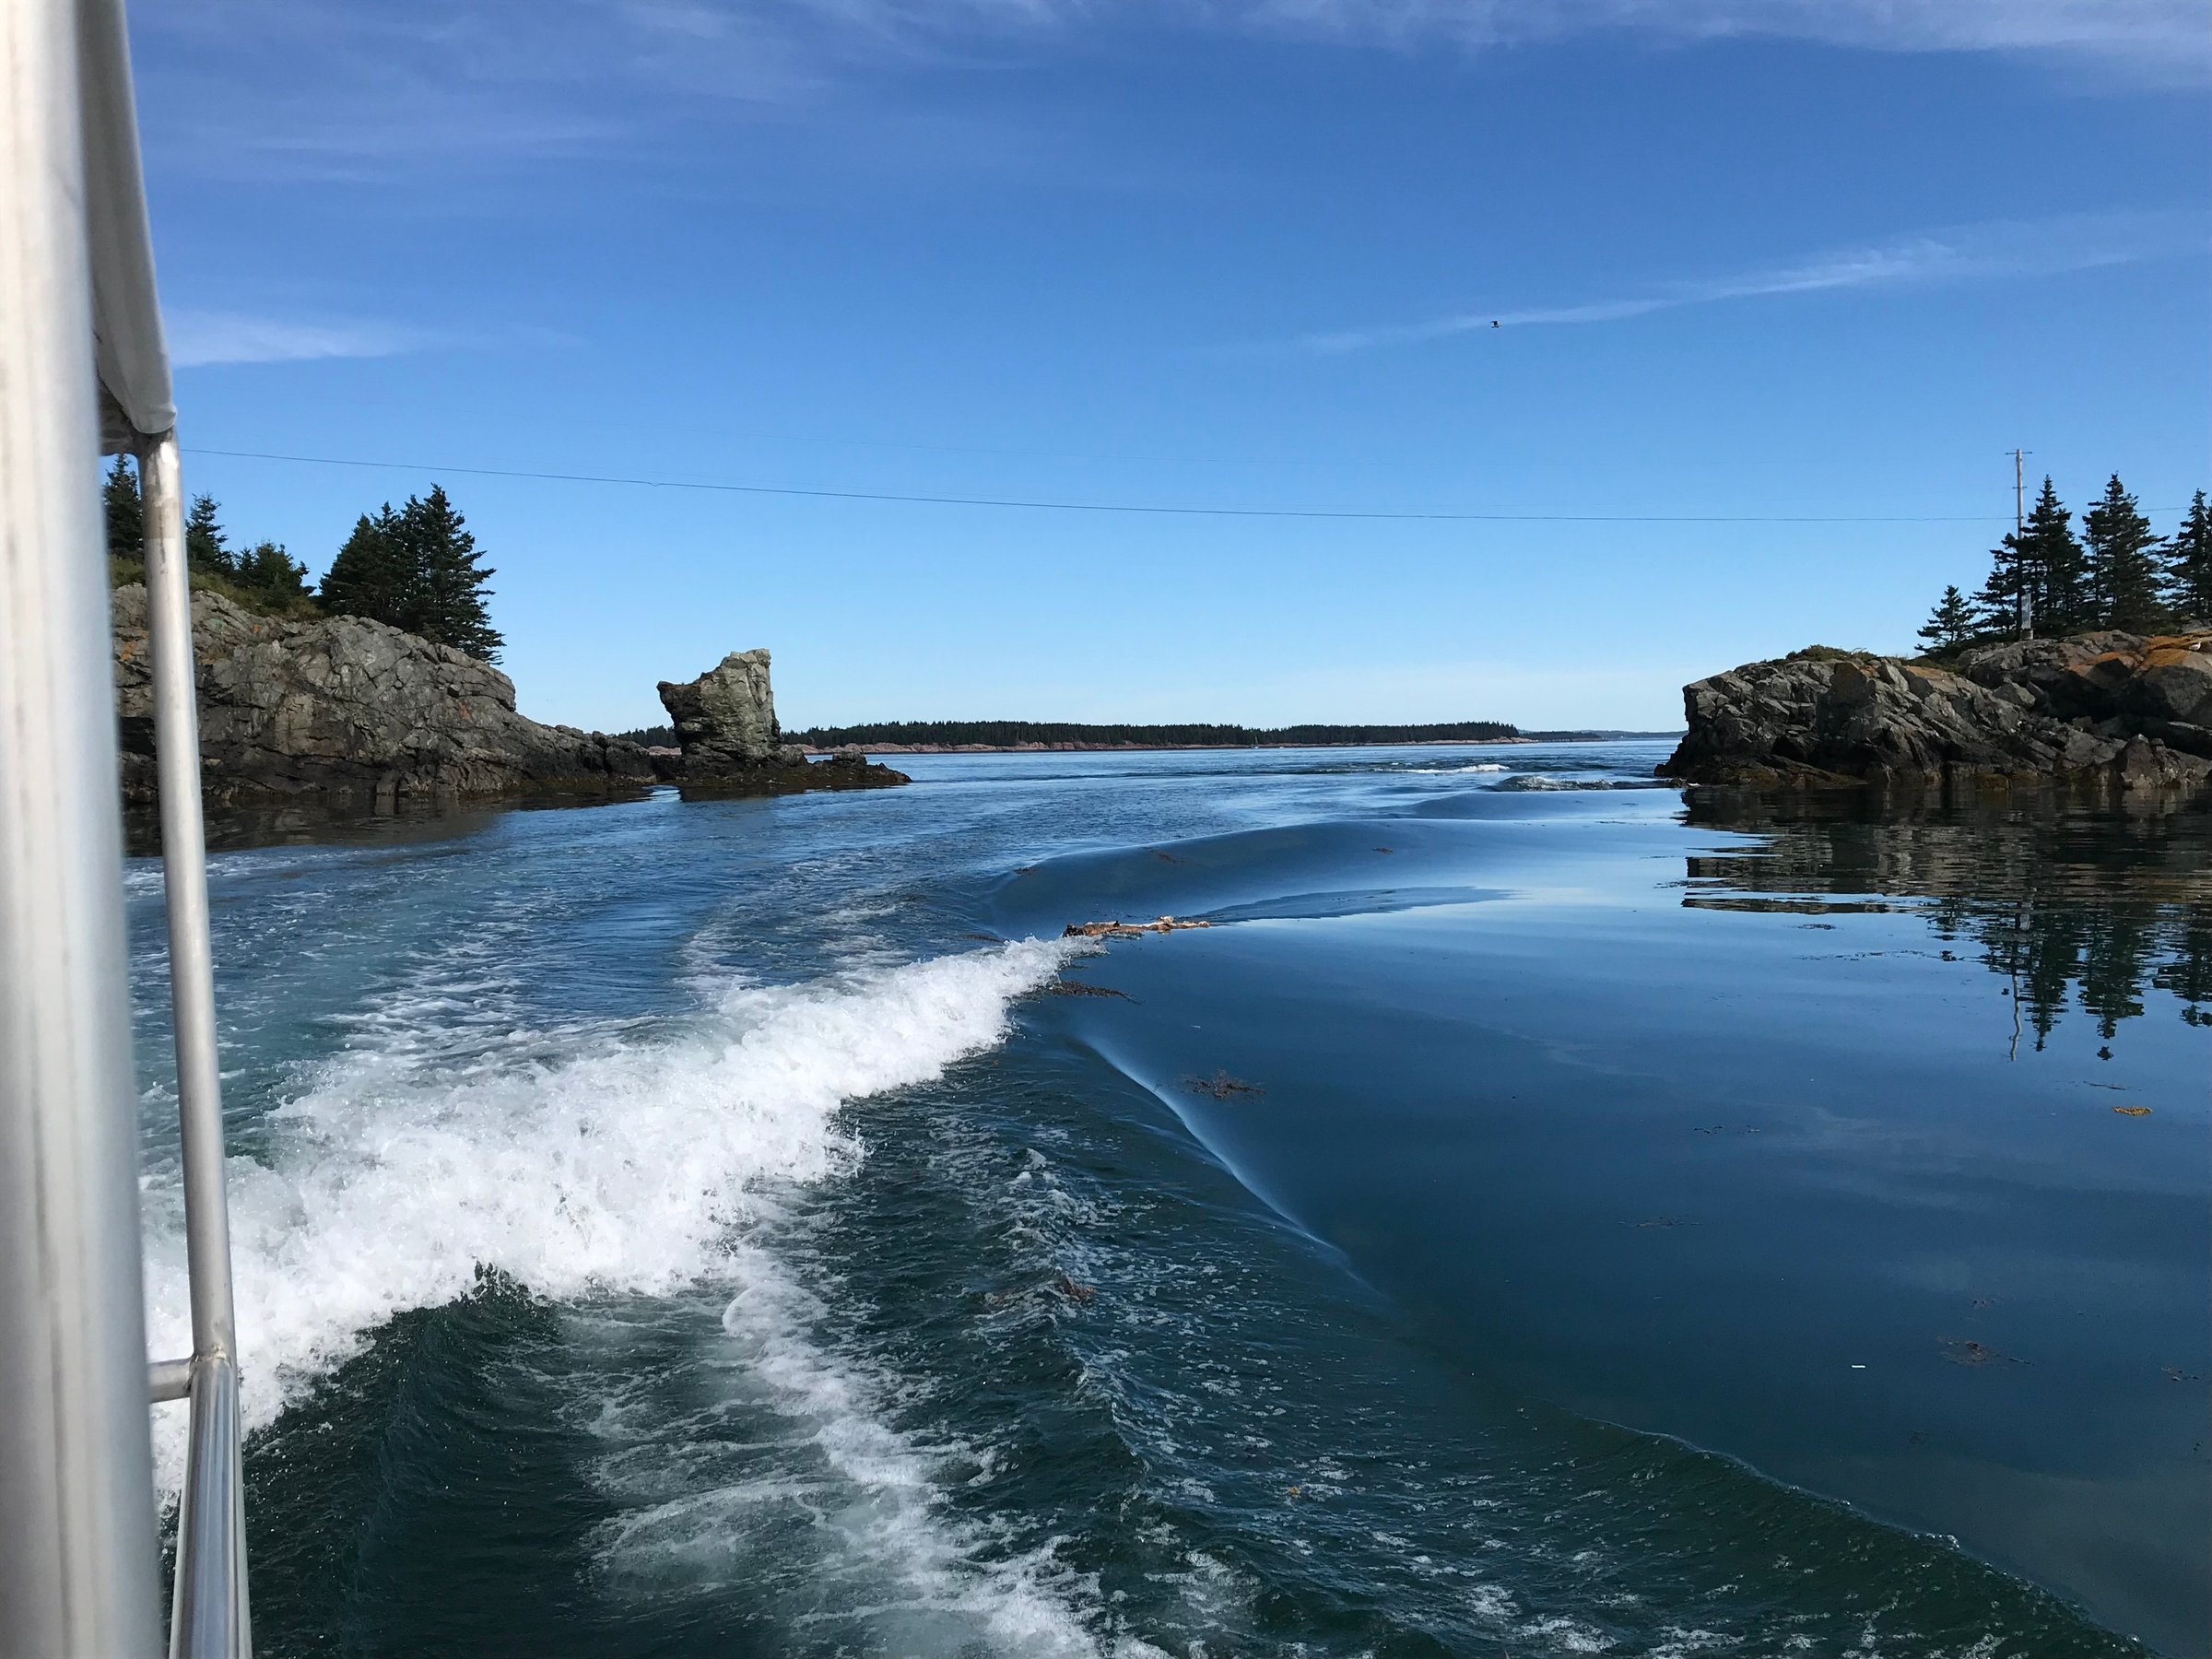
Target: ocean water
column 1536, row 1217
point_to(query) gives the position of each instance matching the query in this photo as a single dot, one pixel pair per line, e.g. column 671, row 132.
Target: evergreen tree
column 2046, row 561
column 373, row 575
column 2123, row 563
column 267, row 568
column 2062, row 568
column 416, row 569
column 1995, row 606
column 1951, row 624
column 449, row 583
column 2188, row 561
column 206, row 549
column 125, row 514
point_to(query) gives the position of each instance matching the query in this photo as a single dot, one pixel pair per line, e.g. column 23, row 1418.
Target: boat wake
column 583, row 1160
column 824, row 1514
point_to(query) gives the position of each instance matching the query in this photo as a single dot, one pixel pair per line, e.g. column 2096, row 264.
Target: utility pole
column 2019, row 535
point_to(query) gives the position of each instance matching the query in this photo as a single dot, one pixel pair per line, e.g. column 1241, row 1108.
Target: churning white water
column 578, row 1160
column 867, row 1495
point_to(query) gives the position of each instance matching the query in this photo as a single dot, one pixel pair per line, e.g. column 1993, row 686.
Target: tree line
column 416, row 567
column 2118, row 572
column 1007, row 734
column 264, row 571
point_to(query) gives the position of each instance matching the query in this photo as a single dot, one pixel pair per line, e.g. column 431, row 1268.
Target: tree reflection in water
column 2077, row 905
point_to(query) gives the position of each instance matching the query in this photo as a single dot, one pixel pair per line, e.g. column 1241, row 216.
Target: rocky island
column 726, row 725
column 2106, row 710
column 347, row 712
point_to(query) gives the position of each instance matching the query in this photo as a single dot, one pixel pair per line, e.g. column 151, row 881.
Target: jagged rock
column 345, row 707
column 726, row 718
column 726, row 727
column 2111, row 708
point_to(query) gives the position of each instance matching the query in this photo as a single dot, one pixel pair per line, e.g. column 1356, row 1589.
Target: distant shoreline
column 1072, row 736
column 1077, row 747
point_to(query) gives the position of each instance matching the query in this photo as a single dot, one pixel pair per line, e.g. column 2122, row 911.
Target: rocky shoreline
column 344, row 712
column 2110, row 710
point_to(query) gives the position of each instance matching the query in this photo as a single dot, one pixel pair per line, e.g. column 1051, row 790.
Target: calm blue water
column 1535, row 1218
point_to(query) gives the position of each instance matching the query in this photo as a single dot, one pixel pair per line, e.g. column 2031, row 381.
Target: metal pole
column 184, row 876
column 209, row 1614
column 208, row 1619
column 2019, row 535
column 78, row 1549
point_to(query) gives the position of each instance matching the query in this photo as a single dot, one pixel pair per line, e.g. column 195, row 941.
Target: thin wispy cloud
column 1977, row 253
column 2151, row 34
column 2159, row 39
column 202, row 338
column 333, row 88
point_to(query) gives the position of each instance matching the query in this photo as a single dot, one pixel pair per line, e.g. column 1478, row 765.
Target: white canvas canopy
column 136, row 402
column 82, row 372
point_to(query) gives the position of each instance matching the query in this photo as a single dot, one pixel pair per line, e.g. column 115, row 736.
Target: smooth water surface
column 1533, row 1218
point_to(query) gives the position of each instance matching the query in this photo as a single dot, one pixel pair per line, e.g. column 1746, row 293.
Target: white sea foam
column 865, row 1493
column 576, row 1162
column 1566, row 1635
column 1491, row 1601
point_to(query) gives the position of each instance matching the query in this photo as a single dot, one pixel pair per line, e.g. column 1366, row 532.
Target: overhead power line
column 1148, row 507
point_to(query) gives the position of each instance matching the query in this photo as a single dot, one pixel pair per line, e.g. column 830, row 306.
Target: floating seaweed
column 1222, row 1087
column 1125, row 930
column 1965, row 1350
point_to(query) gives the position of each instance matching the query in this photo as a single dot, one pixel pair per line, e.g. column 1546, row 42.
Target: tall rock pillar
column 725, row 724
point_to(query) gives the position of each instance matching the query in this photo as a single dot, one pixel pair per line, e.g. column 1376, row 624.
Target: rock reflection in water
column 2076, row 907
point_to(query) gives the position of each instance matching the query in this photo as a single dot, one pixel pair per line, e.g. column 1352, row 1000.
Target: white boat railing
column 82, row 372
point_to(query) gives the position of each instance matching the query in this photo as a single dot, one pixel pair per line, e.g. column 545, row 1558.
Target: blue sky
column 1752, row 260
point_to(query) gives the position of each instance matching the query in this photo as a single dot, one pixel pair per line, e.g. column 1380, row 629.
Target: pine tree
column 2123, row 563
column 416, row 569
column 372, row 576
column 125, row 514
column 1950, row 624
column 450, row 592
column 267, row 568
column 1994, row 610
column 206, row 549
column 2188, row 561
column 2062, row 569
column 2046, row 561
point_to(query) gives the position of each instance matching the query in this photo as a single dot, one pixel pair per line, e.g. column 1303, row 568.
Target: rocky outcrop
column 725, row 727
column 2112, row 709
column 726, row 719
column 343, row 707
